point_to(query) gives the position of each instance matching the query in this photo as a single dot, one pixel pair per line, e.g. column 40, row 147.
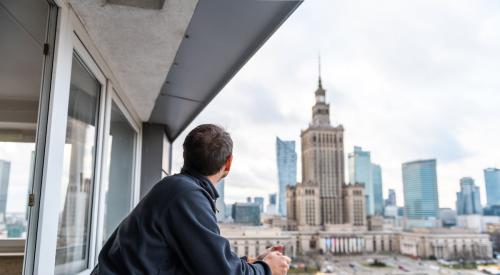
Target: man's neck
column 214, row 179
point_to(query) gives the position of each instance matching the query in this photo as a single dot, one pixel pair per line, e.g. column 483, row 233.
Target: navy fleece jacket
column 173, row 230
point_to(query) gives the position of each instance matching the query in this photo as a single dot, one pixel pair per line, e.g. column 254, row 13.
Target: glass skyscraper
column 378, row 198
column 492, row 184
column 362, row 170
column 4, row 187
column 287, row 170
column 468, row 199
column 219, row 203
column 420, row 189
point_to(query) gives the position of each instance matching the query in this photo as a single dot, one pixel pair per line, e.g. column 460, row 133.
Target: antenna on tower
column 319, row 71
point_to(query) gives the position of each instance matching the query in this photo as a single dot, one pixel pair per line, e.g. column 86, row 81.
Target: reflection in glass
column 78, row 172
column 118, row 189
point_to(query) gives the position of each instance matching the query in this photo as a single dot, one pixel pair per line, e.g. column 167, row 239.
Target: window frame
column 72, row 38
column 113, row 97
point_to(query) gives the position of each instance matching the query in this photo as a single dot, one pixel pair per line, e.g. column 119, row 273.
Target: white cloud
column 407, row 79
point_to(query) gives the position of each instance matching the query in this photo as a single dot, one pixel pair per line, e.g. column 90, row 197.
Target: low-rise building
column 445, row 243
column 246, row 213
column 477, row 223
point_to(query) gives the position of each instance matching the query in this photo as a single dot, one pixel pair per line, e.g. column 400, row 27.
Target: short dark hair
column 206, row 149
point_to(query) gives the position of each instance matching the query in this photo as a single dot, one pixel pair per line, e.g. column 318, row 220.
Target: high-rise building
column 219, row 203
column 271, row 207
column 354, row 204
column 468, row 198
column 4, row 187
column 391, row 198
column 363, row 171
column 492, row 184
column 246, row 213
column 420, row 189
column 376, row 181
column 323, row 158
column 260, row 202
column 286, row 158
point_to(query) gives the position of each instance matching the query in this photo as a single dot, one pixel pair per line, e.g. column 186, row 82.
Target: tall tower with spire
column 323, row 157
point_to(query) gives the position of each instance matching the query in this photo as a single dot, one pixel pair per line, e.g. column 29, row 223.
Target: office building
column 376, row 181
column 220, row 203
column 420, row 189
column 4, row 188
column 492, row 185
column 391, row 198
column 271, row 207
column 363, row 171
column 246, row 213
column 100, row 93
column 323, row 158
column 286, row 158
column 260, row 202
column 354, row 204
column 468, row 198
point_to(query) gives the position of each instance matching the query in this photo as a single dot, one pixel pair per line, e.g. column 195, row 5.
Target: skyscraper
column 391, row 198
column 260, row 202
column 219, row 203
column 420, row 189
column 492, row 184
column 271, row 207
column 468, row 199
column 286, row 158
column 323, row 158
column 376, row 181
column 362, row 170
column 4, row 187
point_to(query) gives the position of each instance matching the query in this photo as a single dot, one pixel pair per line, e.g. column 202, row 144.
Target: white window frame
column 71, row 37
column 114, row 97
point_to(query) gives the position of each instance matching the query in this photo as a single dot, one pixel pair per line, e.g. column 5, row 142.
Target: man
column 173, row 229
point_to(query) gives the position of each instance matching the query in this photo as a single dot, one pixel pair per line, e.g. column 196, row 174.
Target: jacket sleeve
column 192, row 232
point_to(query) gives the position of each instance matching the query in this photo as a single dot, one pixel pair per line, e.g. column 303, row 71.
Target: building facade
column 468, row 198
column 4, row 188
column 378, row 197
column 447, row 244
column 354, row 204
column 420, row 189
column 391, row 197
column 220, row 203
column 303, row 202
column 246, row 213
column 286, row 158
column 492, row 184
column 323, row 159
column 362, row 170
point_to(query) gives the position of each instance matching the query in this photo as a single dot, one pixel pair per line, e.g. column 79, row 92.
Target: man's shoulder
column 173, row 186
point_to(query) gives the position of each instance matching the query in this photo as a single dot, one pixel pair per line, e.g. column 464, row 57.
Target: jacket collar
column 204, row 182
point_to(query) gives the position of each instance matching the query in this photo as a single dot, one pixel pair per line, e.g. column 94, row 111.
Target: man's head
column 208, row 149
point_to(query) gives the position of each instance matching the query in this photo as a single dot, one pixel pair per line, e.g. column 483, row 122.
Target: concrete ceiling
column 171, row 62
column 138, row 44
column 221, row 37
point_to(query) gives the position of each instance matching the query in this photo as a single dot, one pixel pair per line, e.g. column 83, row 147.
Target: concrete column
column 156, row 156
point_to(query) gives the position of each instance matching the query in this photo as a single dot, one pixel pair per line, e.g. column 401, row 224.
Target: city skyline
column 404, row 89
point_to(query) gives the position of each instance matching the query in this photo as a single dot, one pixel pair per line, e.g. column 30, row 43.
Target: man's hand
column 277, row 262
column 279, row 248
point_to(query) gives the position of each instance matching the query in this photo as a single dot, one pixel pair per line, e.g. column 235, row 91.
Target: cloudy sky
column 407, row 79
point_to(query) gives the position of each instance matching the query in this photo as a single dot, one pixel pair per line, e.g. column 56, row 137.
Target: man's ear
column 227, row 165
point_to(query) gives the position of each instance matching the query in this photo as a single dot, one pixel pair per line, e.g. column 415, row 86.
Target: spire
column 320, row 85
